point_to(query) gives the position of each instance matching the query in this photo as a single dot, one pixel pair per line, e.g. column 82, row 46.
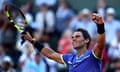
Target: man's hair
column 85, row 35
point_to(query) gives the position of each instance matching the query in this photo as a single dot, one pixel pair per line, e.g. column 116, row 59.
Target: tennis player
column 83, row 60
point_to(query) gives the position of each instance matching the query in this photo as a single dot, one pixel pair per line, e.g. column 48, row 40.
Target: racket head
column 16, row 17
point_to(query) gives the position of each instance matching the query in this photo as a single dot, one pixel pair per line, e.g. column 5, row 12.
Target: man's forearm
column 38, row 45
column 100, row 42
column 100, row 28
column 101, row 35
column 48, row 52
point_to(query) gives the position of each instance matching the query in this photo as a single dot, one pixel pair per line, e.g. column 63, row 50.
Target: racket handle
column 23, row 40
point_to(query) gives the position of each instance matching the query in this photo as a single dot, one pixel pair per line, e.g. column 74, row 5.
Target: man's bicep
column 52, row 55
column 99, row 46
column 58, row 57
column 97, row 53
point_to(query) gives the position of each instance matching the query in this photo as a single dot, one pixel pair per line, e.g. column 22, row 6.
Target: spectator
column 85, row 22
column 49, row 2
column 64, row 15
column 35, row 64
column 45, row 19
column 101, row 7
column 2, row 2
column 114, row 66
column 7, row 65
column 111, row 25
column 42, row 64
column 26, row 59
column 51, row 64
column 75, row 21
column 26, row 47
column 2, row 23
column 38, row 64
column 9, row 38
column 2, row 55
column 64, row 47
column 65, row 44
column 26, row 10
column 114, row 50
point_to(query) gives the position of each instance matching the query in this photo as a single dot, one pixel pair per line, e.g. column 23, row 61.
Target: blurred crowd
column 53, row 24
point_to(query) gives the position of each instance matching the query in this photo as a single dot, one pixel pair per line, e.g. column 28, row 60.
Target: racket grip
column 23, row 40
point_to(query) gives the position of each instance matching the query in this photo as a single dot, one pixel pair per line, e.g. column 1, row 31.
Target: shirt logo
column 79, row 60
column 75, row 65
column 69, row 62
column 85, row 57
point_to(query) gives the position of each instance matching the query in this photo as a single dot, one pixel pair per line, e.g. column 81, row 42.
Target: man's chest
column 83, row 64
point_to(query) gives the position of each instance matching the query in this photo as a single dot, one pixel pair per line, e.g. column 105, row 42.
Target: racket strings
column 18, row 19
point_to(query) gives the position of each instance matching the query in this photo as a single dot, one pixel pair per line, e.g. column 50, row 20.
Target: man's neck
column 81, row 51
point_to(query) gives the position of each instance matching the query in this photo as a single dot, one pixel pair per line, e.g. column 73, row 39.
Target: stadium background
column 61, row 18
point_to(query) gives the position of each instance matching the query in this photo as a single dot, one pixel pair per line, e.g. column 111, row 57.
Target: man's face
column 77, row 40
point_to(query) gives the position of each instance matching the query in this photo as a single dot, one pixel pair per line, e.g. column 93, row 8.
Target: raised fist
column 97, row 18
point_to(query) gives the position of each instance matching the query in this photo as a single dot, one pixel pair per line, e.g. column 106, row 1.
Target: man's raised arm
column 100, row 42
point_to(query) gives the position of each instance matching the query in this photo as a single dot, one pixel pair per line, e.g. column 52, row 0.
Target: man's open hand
column 97, row 18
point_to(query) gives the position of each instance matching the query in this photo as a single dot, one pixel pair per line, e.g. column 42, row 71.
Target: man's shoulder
column 69, row 54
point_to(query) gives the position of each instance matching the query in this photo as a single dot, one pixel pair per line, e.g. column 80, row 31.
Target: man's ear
column 86, row 40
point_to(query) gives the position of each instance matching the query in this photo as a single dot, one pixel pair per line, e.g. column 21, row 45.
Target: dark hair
column 85, row 35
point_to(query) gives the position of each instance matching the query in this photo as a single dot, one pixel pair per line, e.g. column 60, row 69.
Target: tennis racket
column 16, row 18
